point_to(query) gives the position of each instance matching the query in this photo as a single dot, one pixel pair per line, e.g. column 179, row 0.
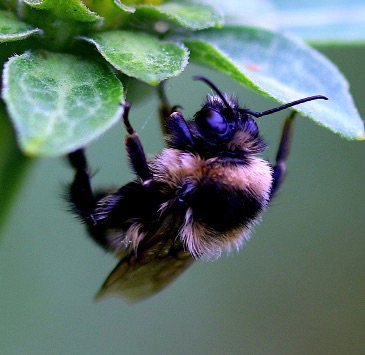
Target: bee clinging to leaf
column 199, row 197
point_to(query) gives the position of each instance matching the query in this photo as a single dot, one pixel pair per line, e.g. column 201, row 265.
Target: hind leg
column 83, row 199
column 94, row 209
column 80, row 191
column 283, row 152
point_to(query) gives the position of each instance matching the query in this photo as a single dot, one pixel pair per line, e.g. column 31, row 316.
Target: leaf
column 66, row 9
column 282, row 68
column 113, row 12
column 141, row 56
column 334, row 21
column 191, row 16
column 11, row 29
column 319, row 22
column 124, row 7
column 59, row 102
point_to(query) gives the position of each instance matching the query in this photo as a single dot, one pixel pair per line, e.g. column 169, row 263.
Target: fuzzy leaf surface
column 124, row 7
column 65, row 9
column 59, row 102
column 188, row 15
column 12, row 29
column 141, row 56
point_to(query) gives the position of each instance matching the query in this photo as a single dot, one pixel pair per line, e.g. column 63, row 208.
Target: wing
column 158, row 262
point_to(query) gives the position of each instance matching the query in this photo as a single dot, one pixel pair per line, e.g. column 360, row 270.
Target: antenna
column 254, row 113
column 214, row 88
column 283, row 107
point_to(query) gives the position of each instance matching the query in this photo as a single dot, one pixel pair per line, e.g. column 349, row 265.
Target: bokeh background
column 297, row 287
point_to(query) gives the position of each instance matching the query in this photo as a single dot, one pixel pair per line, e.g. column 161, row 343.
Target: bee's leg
column 80, row 190
column 165, row 108
column 283, row 152
column 135, row 150
column 173, row 124
column 178, row 132
column 82, row 198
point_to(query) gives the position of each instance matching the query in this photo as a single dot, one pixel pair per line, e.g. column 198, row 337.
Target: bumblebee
column 199, row 197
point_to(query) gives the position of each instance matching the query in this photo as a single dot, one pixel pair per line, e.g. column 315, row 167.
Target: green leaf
column 282, row 68
column 59, row 102
column 191, row 16
column 11, row 29
column 66, row 9
column 334, row 21
column 141, row 56
column 319, row 22
column 124, row 7
column 114, row 13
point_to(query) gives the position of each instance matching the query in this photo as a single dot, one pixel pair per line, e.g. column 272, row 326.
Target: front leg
column 173, row 123
column 135, row 150
column 178, row 134
column 283, row 152
column 165, row 108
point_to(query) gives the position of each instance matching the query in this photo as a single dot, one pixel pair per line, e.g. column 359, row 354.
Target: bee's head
column 221, row 119
column 220, row 122
column 222, row 125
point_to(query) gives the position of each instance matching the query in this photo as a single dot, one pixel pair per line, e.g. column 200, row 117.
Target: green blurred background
column 297, row 287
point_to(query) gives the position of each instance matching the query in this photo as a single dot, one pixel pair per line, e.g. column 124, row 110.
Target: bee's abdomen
column 220, row 194
column 223, row 209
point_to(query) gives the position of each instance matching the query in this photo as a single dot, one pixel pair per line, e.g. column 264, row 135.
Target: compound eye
column 251, row 126
column 211, row 120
